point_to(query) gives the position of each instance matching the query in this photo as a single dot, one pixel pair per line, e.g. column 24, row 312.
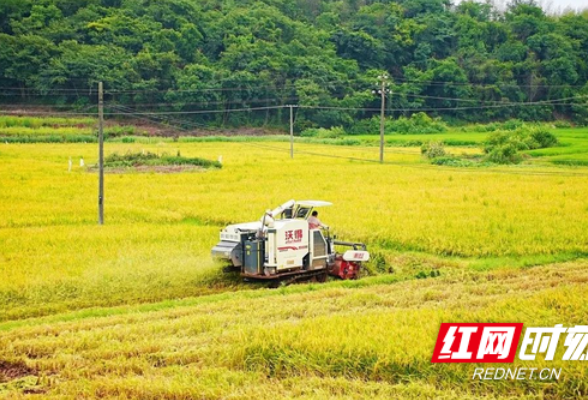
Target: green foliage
column 522, row 139
column 35, row 122
column 122, row 130
column 562, row 124
column 512, row 124
column 417, row 123
column 492, row 127
column 506, row 153
column 321, row 133
column 433, row 149
column 49, row 139
column 509, row 125
column 452, row 161
column 543, row 139
column 424, row 274
column 364, row 126
column 216, row 56
column 500, row 138
column 378, row 264
column 503, row 147
column 116, row 160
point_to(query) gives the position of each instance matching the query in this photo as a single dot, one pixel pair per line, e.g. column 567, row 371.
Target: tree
column 22, row 57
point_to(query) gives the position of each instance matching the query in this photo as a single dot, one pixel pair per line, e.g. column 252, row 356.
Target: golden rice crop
column 435, row 210
column 137, row 309
column 372, row 341
column 163, row 225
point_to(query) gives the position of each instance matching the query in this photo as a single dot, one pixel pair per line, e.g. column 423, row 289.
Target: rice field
column 137, row 309
column 39, row 122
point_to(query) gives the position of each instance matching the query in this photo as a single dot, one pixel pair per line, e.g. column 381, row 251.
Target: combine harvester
column 281, row 247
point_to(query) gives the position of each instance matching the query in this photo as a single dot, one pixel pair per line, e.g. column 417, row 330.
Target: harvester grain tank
column 281, row 246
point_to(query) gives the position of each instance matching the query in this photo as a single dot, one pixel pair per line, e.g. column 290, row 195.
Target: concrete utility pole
column 291, row 131
column 382, row 91
column 100, row 154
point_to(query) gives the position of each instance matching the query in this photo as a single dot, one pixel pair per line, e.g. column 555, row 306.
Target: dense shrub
column 497, row 139
column 506, row 153
column 116, row 131
column 116, row 160
column 310, row 132
column 417, row 123
column 562, row 124
column 544, row 138
column 433, row 149
column 522, row 139
column 365, row 126
column 503, row 147
column 513, row 124
column 322, row 133
column 510, row 125
column 492, row 127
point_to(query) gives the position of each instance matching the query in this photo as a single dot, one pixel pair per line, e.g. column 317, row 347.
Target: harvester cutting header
column 283, row 246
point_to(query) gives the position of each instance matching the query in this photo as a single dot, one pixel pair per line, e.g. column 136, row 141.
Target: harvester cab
column 281, row 246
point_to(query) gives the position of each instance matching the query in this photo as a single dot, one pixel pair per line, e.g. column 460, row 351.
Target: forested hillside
column 461, row 62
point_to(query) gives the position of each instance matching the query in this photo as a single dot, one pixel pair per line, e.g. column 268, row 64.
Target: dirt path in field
column 14, row 370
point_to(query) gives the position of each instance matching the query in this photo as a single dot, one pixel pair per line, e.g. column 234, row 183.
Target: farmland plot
column 137, row 308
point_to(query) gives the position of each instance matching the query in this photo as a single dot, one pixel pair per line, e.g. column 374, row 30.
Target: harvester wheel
column 278, row 283
column 322, row 277
column 274, row 284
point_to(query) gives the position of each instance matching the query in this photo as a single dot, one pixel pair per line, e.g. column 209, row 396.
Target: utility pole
column 291, row 131
column 382, row 91
column 100, row 154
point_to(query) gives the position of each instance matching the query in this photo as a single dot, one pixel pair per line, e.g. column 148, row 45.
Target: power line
column 152, row 119
column 179, row 103
column 171, row 91
column 457, row 108
column 228, row 110
column 151, row 116
column 252, row 109
column 159, row 118
column 290, row 99
column 486, row 85
column 482, row 101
